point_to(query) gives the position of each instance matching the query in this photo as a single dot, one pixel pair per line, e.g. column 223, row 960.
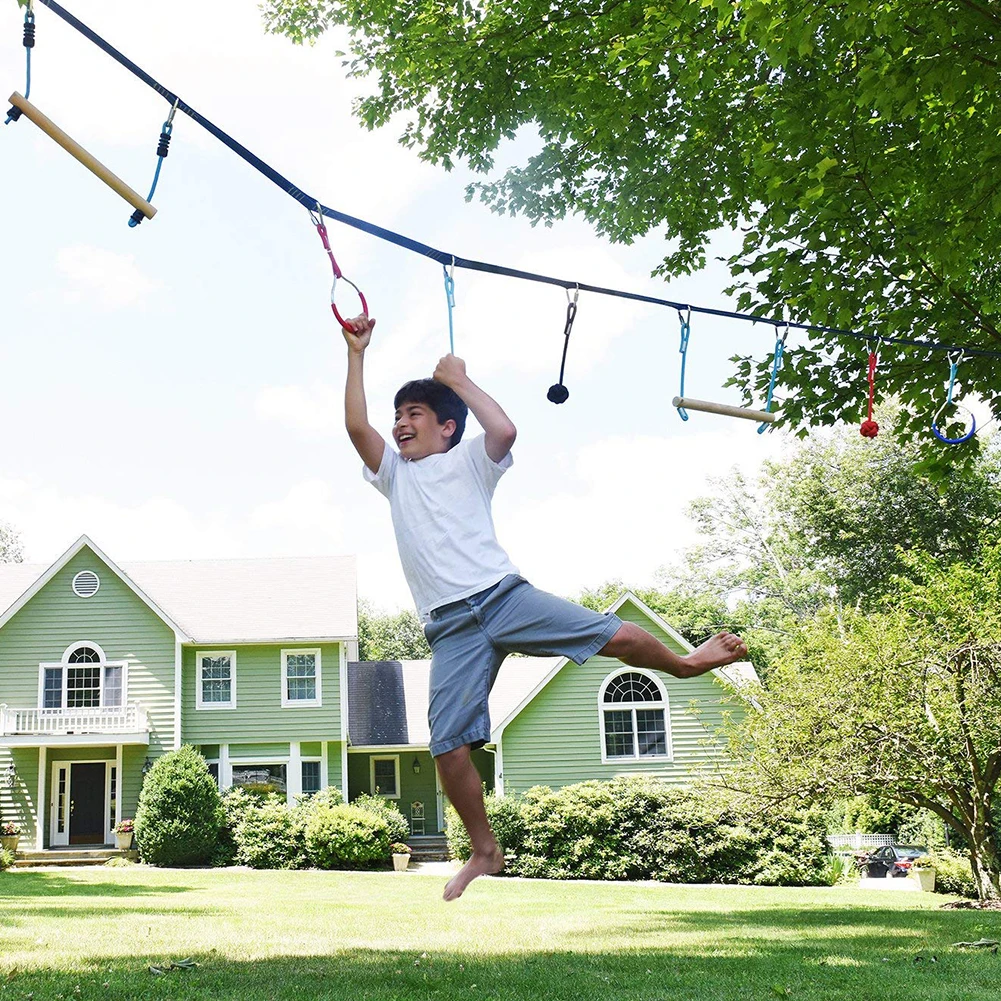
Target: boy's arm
column 500, row 433
column 368, row 443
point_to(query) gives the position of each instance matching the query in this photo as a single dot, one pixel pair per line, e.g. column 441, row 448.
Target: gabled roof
column 221, row 601
column 43, row 574
column 388, row 699
column 733, row 674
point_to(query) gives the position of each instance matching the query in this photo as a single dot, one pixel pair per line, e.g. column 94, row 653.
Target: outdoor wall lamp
column 417, row 767
column 10, row 775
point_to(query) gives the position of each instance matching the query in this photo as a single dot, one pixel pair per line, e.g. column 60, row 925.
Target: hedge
column 634, row 828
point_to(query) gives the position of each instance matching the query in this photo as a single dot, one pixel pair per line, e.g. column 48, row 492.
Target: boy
column 475, row 607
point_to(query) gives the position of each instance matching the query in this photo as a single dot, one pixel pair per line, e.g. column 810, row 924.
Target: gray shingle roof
column 237, row 600
column 388, row 699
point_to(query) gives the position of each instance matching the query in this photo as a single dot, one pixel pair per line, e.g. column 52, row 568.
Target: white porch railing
column 55, row 722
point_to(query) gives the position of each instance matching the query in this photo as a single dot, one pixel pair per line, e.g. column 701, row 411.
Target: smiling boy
column 475, row 607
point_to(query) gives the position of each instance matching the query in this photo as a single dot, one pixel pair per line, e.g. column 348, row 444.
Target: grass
column 272, row 936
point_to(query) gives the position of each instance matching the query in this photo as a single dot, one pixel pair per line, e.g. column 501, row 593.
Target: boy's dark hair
column 443, row 401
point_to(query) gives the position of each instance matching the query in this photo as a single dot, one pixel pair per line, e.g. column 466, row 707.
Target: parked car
column 890, row 860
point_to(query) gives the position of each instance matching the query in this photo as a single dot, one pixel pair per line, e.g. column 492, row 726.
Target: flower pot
column 10, row 842
column 400, row 862
column 123, row 842
column 925, row 878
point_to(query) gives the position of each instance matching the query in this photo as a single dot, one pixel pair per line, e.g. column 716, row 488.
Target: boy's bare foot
column 717, row 651
column 478, row 865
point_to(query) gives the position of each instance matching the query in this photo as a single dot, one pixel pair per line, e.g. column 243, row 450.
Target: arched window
column 83, row 679
column 634, row 722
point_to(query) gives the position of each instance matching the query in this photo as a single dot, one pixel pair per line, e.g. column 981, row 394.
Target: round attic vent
column 86, row 583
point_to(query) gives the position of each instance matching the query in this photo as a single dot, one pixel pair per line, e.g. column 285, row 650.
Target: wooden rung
column 75, row 149
column 721, row 408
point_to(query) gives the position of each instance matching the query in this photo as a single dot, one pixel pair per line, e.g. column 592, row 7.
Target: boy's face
column 417, row 432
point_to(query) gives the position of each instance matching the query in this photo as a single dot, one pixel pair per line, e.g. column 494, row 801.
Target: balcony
column 91, row 725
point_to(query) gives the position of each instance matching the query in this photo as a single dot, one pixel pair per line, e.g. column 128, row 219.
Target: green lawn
column 94, row 933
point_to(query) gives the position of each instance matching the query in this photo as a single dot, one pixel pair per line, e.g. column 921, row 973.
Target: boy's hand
column 451, row 371
column 358, row 333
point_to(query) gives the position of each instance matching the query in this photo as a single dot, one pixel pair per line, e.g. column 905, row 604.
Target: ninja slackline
column 448, row 261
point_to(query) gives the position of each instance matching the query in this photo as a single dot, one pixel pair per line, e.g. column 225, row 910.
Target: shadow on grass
column 25, row 884
column 634, row 974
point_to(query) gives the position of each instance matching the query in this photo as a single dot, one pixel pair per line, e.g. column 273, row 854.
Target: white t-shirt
column 441, row 514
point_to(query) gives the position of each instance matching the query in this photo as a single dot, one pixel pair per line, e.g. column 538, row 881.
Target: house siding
column 259, row 712
column 126, row 629
column 17, row 802
column 420, row 788
column 556, row 739
column 115, row 618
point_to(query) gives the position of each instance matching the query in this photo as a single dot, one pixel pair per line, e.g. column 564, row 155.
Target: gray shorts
column 470, row 638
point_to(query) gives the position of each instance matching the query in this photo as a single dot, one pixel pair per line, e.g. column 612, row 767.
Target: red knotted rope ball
column 869, row 429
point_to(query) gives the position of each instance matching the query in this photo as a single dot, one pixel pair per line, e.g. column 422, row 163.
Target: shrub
column 345, row 837
column 179, row 814
column 270, row 836
column 399, row 828
column 506, row 820
column 953, row 872
column 6, row 859
column 642, row 829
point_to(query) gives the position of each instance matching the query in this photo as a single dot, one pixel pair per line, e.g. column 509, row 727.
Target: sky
column 175, row 390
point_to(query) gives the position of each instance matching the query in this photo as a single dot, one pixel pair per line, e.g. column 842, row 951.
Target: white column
column 40, row 802
column 225, row 771
column 119, row 784
column 177, row 691
column 324, row 765
column 293, row 774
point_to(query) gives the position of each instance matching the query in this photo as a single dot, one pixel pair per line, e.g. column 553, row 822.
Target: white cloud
column 621, row 510
column 316, row 409
column 103, row 279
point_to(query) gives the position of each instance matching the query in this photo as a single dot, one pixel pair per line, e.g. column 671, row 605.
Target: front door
column 86, row 813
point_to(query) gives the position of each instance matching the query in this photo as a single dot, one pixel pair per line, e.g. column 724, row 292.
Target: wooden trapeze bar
column 76, row 150
column 746, row 413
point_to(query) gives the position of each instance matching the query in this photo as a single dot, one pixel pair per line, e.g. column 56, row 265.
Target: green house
column 104, row 667
column 553, row 722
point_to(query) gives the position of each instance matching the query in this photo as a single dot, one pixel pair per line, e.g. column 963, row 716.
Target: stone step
column 429, row 848
column 70, row 856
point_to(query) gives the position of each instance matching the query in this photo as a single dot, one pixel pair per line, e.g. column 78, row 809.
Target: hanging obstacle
column 558, row 393
column 954, row 359
column 686, row 403
column 317, row 219
column 869, row 428
column 449, row 275
column 26, row 108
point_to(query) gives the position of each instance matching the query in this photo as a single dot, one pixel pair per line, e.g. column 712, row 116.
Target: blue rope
column 450, row 299
column 780, row 346
column 136, row 218
column 686, row 331
column 29, row 19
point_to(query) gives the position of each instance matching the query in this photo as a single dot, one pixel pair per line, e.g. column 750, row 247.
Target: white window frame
column 311, row 759
column 288, row 703
column 395, row 758
column 199, row 656
column 664, row 704
column 64, row 665
column 259, row 762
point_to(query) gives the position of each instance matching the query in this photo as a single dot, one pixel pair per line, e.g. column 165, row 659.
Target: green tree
column 390, row 636
column 854, row 144
column 903, row 703
column 834, row 519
